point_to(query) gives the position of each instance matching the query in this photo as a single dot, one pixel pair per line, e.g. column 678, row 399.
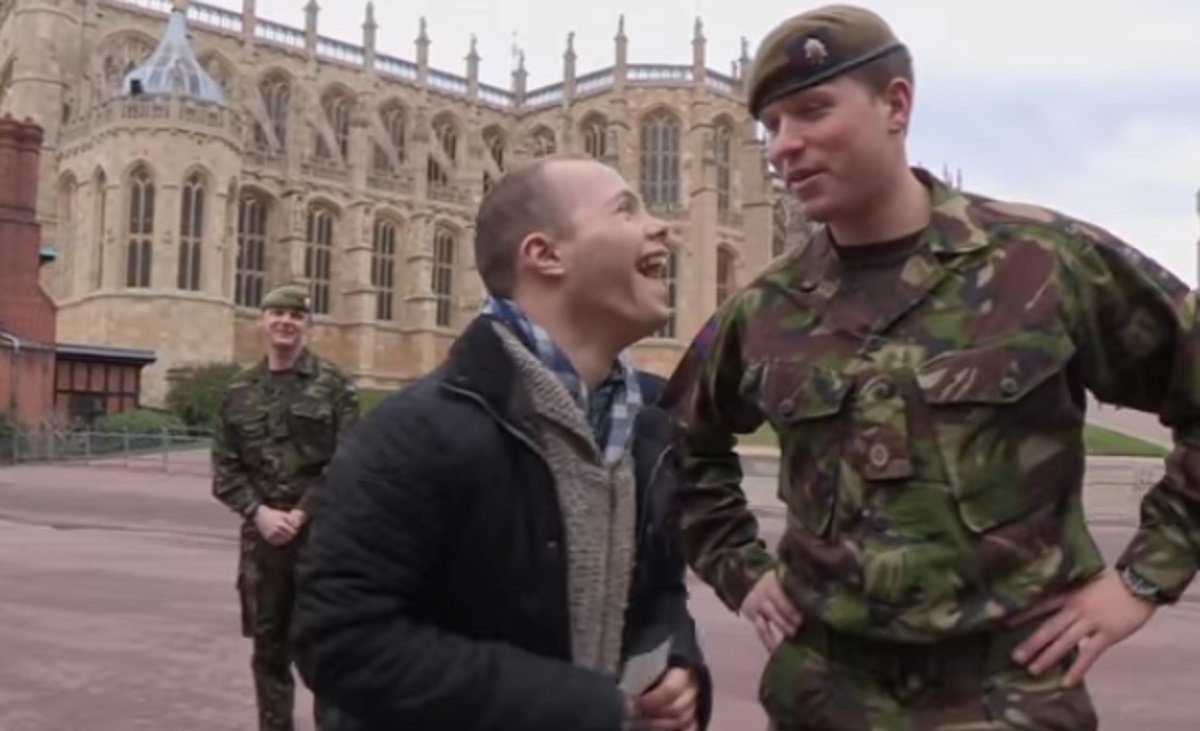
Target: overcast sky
column 1089, row 106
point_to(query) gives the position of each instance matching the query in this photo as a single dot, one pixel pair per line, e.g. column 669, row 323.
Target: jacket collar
column 478, row 363
column 306, row 365
column 953, row 233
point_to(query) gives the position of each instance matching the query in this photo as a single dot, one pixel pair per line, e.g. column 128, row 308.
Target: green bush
column 196, row 398
column 140, row 421
column 8, row 424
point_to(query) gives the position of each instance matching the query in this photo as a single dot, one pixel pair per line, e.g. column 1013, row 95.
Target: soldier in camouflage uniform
column 281, row 420
column 923, row 359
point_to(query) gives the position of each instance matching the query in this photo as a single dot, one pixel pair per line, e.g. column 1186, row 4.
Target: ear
column 898, row 98
column 539, row 254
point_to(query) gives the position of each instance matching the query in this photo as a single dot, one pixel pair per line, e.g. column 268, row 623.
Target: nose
column 657, row 230
column 786, row 144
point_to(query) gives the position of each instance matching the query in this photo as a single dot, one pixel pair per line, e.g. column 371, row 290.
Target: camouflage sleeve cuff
column 1162, row 551
column 743, row 568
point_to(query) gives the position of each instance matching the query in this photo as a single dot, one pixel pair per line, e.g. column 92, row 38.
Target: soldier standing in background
column 924, row 360
column 280, row 423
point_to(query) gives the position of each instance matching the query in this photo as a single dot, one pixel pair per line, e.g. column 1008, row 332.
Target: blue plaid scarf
column 610, row 407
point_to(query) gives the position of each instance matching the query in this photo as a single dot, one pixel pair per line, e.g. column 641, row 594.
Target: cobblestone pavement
column 118, row 613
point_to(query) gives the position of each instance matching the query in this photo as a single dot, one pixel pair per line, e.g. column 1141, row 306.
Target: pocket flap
column 316, row 410
column 792, row 392
column 995, row 374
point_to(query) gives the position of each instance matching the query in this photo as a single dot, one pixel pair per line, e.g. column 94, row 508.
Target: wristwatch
column 1140, row 586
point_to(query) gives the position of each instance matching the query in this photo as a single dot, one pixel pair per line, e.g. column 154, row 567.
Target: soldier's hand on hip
column 274, row 525
column 770, row 611
column 1093, row 618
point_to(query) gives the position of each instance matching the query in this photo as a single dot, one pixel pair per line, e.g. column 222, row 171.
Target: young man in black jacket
column 493, row 546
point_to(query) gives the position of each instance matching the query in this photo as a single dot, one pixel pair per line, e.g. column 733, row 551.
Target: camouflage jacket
column 932, row 456
column 271, row 448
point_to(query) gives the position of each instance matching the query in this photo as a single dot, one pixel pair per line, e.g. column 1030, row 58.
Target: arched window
column 496, row 145
column 139, row 248
column 191, row 233
column 395, row 120
column 445, row 134
column 318, row 258
column 595, row 136
column 542, row 142
column 100, row 210
column 336, row 105
column 251, row 278
column 660, row 157
column 444, row 245
column 723, row 157
column 383, row 269
column 276, row 92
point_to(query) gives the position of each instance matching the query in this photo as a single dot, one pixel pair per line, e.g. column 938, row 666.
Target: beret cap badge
column 807, row 51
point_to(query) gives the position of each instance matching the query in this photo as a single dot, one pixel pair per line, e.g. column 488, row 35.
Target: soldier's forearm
column 236, row 493
column 732, row 573
column 1166, row 548
column 719, row 531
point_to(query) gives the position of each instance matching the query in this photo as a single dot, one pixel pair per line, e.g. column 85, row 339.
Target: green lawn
column 1101, row 442
column 369, row 398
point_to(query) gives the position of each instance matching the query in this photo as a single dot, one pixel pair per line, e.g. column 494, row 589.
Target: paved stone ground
column 118, row 613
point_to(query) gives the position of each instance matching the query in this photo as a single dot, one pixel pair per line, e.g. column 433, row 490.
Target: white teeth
column 653, row 268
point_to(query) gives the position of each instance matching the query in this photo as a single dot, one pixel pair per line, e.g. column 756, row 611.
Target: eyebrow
column 625, row 196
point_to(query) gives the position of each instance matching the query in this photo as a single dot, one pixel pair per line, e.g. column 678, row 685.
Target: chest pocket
column 1001, row 418
column 805, row 405
column 311, row 429
column 251, row 429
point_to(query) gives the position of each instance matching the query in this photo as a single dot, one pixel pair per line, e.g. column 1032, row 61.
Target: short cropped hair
column 877, row 74
column 520, row 203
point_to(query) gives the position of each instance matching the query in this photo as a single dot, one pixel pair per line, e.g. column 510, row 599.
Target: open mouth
column 799, row 177
column 653, row 267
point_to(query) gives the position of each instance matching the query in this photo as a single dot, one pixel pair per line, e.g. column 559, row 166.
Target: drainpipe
column 14, row 359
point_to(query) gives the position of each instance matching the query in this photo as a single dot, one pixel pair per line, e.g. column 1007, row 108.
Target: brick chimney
column 26, row 311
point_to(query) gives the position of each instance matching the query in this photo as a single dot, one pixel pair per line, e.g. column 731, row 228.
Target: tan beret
column 813, row 48
column 287, row 297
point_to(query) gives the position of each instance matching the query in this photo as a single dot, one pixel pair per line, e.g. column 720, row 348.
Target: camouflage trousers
column 821, row 680
column 267, row 589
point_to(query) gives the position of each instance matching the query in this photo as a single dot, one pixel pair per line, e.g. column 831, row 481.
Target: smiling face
column 608, row 261
column 284, row 328
column 839, row 146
